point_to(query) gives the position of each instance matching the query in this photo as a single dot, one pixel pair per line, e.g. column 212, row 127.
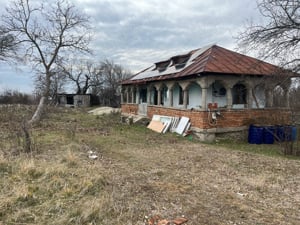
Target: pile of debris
column 104, row 110
column 158, row 220
column 162, row 124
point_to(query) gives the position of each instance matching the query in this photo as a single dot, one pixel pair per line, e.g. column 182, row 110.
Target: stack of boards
column 162, row 124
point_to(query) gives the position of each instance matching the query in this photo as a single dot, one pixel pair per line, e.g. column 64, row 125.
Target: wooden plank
column 156, row 126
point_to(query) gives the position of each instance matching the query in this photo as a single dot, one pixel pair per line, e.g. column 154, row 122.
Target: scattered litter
column 158, row 220
column 180, row 220
column 104, row 110
column 92, row 155
column 241, row 194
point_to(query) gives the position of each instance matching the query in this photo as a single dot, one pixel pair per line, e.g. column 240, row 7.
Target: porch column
column 250, row 87
column 203, row 98
column 229, row 96
column 133, row 99
column 204, row 83
column 158, row 89
column 170, row 86
column 184, row 86
column 122, row 97
column 149, row 95
column 137, row 100
column 287, row 98
column 250, row 97
column 159, row 96
column 286, row 87
column 269, row 97
column 127, row 95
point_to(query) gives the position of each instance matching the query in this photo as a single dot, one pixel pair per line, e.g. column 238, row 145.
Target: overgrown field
column 138, row 174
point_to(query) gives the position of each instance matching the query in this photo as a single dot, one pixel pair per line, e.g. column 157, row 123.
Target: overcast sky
column 137, row 33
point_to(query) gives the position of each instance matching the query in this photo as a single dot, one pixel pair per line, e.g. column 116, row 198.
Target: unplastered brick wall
column 129, row 108
column 245, row 117
column 197, row 118
column 228, row 117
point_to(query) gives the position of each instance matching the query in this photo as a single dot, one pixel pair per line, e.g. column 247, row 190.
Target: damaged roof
column 211, row 59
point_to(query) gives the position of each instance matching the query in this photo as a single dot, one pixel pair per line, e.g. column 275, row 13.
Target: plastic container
column 280, row 133
column 268, row 134
column 294, row 133
column 255, row 135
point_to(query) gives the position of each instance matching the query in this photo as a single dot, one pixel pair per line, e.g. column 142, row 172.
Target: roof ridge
column 209, row 56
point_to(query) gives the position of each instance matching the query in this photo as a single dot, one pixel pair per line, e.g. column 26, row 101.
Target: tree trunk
column 27, row 138
column 39, row 111
column 37, row 116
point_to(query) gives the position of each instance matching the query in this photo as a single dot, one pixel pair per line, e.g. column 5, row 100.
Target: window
column 181, row 96
column 162, row 66
column 239, row 94
column 180, row 61
column 218, row 89
column 143, row 95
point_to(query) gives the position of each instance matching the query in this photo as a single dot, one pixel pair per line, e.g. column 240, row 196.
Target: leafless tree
column 7, row 45
column 44, row 33
column 84, row 74
column 111, row 75
column 99, row 79
column 276, row 39
column 57, row 85
column 279, row 36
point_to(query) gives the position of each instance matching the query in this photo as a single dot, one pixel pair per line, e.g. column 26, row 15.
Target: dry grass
column 139, row 173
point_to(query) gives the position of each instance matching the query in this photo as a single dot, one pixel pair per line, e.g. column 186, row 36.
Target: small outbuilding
column 74, row 100
column 220, row 90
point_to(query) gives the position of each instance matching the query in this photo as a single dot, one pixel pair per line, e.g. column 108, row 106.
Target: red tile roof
column 213, row 60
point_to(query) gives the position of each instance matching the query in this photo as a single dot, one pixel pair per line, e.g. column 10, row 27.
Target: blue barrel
column 288, row 133
column 268, row 134
column 294, row 133
column 255, row 135
column 280, row 133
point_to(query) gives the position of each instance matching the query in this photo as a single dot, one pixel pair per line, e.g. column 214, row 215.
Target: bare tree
column 102, row 79
column 57, row 84
column 111, row 74
column 84, row 74
column 44, row 33
column 7, row 45
column 279, row 37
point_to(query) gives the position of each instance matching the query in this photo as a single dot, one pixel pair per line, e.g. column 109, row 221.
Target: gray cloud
column 138, row 33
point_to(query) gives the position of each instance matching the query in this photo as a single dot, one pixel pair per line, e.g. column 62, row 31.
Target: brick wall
column 228, row 118
column 130, row 108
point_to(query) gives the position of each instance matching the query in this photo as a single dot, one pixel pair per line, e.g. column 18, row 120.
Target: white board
column 166, row 120
column 183, row 122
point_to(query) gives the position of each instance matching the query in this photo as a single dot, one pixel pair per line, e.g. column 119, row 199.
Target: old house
column 220, row 90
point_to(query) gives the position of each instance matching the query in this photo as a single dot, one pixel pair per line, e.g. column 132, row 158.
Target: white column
column 203, row 98
column 184, row 85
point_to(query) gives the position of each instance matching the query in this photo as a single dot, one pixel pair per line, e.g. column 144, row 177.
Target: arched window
column 239, row 94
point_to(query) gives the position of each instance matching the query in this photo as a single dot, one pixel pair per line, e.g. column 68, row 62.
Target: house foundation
column 232, row 123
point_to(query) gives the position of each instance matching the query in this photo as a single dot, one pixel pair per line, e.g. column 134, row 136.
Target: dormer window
column 180, row 60
column 162, row 66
